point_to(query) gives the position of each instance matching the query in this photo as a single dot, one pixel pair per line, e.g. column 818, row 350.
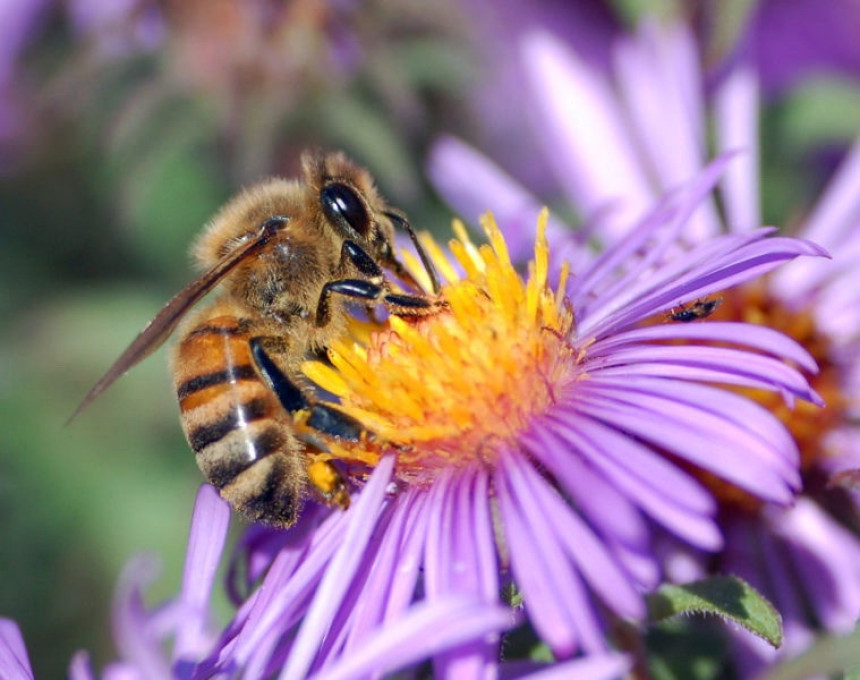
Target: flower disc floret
column 448, row 390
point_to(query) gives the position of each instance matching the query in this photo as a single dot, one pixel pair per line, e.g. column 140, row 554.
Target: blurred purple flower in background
column 617, row 141
column 793, row 41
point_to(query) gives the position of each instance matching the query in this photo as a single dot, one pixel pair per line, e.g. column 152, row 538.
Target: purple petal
column 660, row 81
column 654, row 235
column 410, row 560
column 755, row 427
column 252, row 557
column 472, row 184
column 588, row 553
column 461, row 559
column 428, row 628
column 751, row 368
column 209, row 525
column 709, row 449
column 554, row 595
column 638, row 461
column 825, row 556
column 260, row 545
column 19, row 22
column 133, row 630
column 749, row 335
column 81, row 668
column 338, row 575
column 394, row 572
column 592, row 439
column 439, row 531
column 281, row 599
column 483, row 542
column 832, row 223
column 724, row 268
column 736, row 108
column 342, row 623
column 14, row 662
column 584, row 134
column 803, row 38
column 788, row 598
column 609, row 510
column 663, row 264
column 122, row 671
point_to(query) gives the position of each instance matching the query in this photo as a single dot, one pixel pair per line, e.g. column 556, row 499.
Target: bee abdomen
column 202, row 382
column 238, row 418
column 235, row 424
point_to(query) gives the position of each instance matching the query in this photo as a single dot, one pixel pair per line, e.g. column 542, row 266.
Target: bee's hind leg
column 323, row 475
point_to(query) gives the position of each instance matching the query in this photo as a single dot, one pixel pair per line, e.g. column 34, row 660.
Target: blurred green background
column 122, row 128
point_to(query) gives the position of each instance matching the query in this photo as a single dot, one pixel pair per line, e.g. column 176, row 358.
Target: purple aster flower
column 656, row 102
column 528, row 435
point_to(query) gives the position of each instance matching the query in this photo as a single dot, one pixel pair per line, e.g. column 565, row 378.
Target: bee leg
column 359, row 289
column 328, row 482
column 323, row 418
column 290, row 396
column 323, row 475
column 356, row 256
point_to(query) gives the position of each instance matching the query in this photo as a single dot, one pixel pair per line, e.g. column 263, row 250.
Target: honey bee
column 700, row 309
column 288, row 257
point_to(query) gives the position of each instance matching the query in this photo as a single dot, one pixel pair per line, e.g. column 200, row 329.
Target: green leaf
column 728, row 597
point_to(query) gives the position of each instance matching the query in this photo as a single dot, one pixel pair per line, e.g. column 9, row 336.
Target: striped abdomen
column 235, row 424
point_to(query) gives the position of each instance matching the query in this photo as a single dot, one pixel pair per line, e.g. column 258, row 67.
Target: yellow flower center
column 448, row 390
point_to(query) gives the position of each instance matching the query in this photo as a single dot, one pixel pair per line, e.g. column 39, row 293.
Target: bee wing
column 164, row 323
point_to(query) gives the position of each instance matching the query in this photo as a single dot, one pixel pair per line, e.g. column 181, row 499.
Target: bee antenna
column 429, row 267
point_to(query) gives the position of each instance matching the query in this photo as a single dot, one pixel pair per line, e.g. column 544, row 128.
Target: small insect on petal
column 700, row 309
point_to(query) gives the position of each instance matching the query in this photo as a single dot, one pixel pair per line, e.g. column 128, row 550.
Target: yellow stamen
column 445, row 390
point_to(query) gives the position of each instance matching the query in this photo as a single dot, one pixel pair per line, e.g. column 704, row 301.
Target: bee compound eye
column 341, row 204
